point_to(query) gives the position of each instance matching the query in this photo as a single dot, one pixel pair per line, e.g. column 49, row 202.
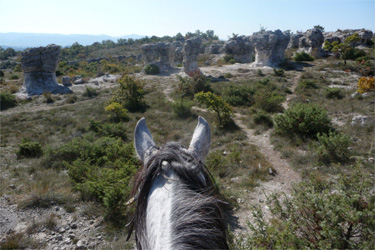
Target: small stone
column 61, row 230
column 261, row 201
column 12, row 186
column 57, row 209
column 91, row 222
column 73, row 226
column 59, row 238
column 371, row 159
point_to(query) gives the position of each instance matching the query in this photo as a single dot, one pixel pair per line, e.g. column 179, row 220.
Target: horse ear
column 200, row 143
column 143, row 141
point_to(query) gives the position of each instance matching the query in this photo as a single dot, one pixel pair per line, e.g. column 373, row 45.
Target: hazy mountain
column 24, row 40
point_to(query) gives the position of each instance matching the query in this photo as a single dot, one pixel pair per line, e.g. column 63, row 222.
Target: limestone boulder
column 240, row 48
column 269, row 47
column 166, row 55
column 214, row 49
column 294, row 41
column 39, row 66
column 66, row 81
column 312, row 39
column 178, row 57
column 190, row 53
column 150, row 54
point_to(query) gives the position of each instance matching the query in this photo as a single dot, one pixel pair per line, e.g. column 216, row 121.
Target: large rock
column 294, row 41
column 269, row 47
column 167, row 53
column 161, row 54
column 39, row 66
column 150, row 54
column 190, row 54
column 240, row 48
column 178, row 57
column 214, row 49
column 341, row 35
column 313, row 38
column 312, row 42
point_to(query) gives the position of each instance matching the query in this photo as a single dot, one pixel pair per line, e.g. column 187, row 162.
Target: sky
column 168, row 17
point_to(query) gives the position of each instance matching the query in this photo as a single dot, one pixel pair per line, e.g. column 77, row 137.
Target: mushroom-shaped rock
column 240, row 48
column 190, row 54
column 269, row 47
column 39, row 66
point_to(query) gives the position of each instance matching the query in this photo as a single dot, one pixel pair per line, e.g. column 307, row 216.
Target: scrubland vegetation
column 79, row 149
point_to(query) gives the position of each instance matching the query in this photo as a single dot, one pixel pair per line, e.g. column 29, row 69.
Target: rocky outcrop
column 240, row 48
column 161, row 54
column 39, row 66
column 269, row 47
column 178, row 57
column 312, row 42
column 341, row 35
column 150, row 54
column 214, row 49
column 294, row 41
column 312, row 39
column 66, row 81
column 190, row 54
column 167, row 53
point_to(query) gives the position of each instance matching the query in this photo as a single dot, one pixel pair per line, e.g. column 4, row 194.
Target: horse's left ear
column 200, row 143
column 143, row 141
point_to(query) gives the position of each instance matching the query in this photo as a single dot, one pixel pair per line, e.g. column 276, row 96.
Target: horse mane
column 197, row 218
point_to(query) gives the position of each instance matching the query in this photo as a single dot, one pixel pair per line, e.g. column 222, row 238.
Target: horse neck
column 159, row 212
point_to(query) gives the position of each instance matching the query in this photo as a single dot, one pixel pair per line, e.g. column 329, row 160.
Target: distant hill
column 21, row 41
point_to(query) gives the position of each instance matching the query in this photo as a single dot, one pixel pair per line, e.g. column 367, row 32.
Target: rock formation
column 214, row 49
column 66, row 81
column 190, row 54
column 294, row 41
column 39, row 66
column 312, row 42
column 167, row 53
column 150, row 54
column 269, row 47
column 178, row 57
column 240, row 48
column 161, row 54
column 341, row 35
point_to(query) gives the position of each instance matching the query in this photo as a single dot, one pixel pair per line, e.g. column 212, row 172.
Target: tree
column 346, row 49
column 318, row 27
column 130, row 93
column 215, row 103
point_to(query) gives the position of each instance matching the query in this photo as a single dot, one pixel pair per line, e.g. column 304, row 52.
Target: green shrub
column 303, row 56
column 7, row 100
column 28, row 149
column 264, row 81
column 304, row 120
column 130, row 94
column 269, row 101
column 1, row 73
column 215, row 103
column 319, row 215
column 333, row 93
column 182, row 108
column 307, row 84
column 100, row 167
column 333, row 147
column 189, row 86
column 263, row 118
column 89, row 92
column 108, row 129
column 120, row 112
column 278, row 72
column 229, row 59
column 152, row 69
column 14, row 77
column 239, row 95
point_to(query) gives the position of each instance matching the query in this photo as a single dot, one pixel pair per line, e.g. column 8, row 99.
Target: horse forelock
column 197, row 218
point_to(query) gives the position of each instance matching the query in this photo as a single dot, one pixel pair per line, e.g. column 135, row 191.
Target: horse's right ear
column 143, row 141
